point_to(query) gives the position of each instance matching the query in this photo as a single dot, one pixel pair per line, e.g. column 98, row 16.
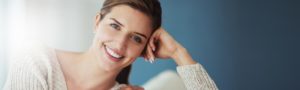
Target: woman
column 124, row 30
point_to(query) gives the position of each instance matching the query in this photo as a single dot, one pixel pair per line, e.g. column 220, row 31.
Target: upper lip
column 115, row 51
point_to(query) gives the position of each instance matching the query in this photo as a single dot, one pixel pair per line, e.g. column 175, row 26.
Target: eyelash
column 134, row 37
column 137, row 37
column 115, row 26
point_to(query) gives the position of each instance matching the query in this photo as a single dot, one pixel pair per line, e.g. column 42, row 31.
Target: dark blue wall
column 243, row 44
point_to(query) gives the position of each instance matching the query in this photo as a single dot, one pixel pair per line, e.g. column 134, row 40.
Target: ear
column 97, row 21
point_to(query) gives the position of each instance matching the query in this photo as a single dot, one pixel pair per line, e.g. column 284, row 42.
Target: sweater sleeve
column 195, row 77
column 24, row 75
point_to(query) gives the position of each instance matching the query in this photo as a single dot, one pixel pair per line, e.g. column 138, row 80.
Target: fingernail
column 151, row 61
column 153, row 49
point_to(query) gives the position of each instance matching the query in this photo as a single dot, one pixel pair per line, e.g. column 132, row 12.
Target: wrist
column 182, row 57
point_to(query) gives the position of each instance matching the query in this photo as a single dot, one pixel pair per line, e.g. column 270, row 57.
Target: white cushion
column 166, row 80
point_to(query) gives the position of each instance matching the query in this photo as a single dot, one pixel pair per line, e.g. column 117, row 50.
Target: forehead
column 132, row 19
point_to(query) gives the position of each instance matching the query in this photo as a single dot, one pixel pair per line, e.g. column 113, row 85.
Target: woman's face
column 120, row 37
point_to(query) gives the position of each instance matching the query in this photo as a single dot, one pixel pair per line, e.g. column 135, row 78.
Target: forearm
column 195, row 77
column 182, row 57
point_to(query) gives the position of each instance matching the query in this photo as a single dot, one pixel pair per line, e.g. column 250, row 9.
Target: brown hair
column 151, row 8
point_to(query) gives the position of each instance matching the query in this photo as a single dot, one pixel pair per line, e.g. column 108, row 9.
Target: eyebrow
column 141, row 35
column 123, row 26
column 117, row 21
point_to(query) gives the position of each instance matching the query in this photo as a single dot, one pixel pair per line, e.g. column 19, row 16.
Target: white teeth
column 112, row 53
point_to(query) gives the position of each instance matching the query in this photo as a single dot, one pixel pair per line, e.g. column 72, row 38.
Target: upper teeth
column 112, row 53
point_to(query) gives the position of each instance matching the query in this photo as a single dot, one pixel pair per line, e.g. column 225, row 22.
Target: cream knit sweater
column 38, row 69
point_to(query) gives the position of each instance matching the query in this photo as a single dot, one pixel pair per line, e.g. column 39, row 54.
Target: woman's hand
column 127, row 87
column 163, row 45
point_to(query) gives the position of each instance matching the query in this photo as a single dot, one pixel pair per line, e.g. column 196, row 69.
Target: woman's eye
column 137, row 39
column 115, row 26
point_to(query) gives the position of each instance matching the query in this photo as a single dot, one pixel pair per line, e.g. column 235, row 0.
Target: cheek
column 103, row 34
column 135, row 51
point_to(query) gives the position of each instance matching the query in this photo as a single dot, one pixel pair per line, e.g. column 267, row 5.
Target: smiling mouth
column 112, row 54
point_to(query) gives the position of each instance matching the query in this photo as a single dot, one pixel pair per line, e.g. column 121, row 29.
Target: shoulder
column 35, row 59
column 30, row 68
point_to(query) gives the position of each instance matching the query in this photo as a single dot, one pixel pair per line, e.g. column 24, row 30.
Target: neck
column 84, row 72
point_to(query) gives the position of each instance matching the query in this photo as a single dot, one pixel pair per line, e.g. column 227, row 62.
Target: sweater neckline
column 56, row 62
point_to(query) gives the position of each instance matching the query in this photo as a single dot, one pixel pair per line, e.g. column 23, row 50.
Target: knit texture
column 39, row 69
column 35, row 69
column 195, row 77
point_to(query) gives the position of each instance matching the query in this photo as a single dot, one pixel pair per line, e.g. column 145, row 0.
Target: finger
column 153, row 39
column 150, row 54
column 147, row 54
column 151, row 43
column 122, row 87
column 145, row 57
column 138, row 88
column 127, row 88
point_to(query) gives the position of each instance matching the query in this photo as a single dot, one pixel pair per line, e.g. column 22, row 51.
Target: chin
column 107, row 66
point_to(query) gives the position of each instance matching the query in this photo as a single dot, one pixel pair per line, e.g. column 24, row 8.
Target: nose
column 121, row 42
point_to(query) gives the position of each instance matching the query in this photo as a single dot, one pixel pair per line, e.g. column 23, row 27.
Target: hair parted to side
column 150, row 8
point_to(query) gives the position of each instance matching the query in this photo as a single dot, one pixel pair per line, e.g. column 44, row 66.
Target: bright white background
column 63, row 24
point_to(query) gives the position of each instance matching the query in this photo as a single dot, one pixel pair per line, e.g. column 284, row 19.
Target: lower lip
column 111, row 57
